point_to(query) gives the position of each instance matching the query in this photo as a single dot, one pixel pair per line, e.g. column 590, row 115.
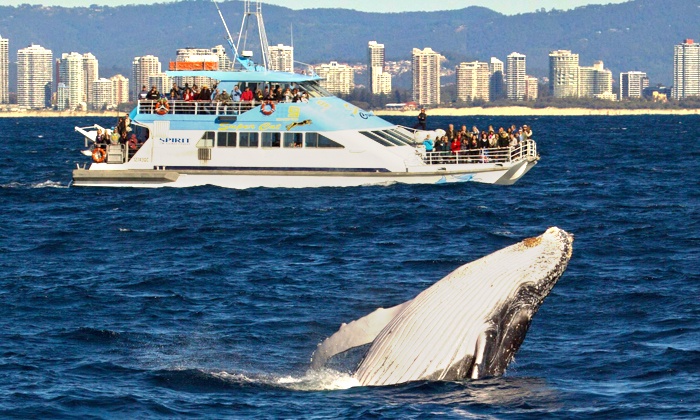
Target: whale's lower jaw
column 471, row 323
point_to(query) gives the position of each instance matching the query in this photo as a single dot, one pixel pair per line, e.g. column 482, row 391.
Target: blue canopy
column 245, row 76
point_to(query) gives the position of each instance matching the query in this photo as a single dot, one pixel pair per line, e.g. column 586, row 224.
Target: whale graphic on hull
column 469, row 325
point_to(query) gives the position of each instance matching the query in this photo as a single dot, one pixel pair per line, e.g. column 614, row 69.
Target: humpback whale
column 469, row 325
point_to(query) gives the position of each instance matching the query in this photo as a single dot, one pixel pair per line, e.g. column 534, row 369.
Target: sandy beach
column 525, row 111
column 458, row 112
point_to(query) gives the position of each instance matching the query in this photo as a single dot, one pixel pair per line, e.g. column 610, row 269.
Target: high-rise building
column 632, row 84
column 337, row 78
column 515, row 76
column 120, row 89
column 563, row 74
column 34, row 77
column 595, row 82
column 380, row 81
column 102, row 94
column 70, row 73
column 497, row 88
column 531, row 88
column 224, row 61
column 473, row 81
column 142, row 68
column 282, row 58
column 162, row 82
column 4, row 70
column 426, row 76
column 198, row 55
column 90, row 74
column 686, row 70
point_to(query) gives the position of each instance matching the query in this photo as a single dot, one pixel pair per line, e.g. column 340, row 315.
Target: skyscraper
column 595, row 82
column 531, row 88
column 70, row 71
column 282, row 58
column 90, row 74
column 142, row 68
column 632, row 84
column 473, row 81
column 34, row 77
column 496, row 84
column 515, row 76
column 102, row 95
column 563, row 74
column 426, row 76
column 120, row 89
column 4, row 70
column 379, row 80
column 686, row 70
column 337, row 78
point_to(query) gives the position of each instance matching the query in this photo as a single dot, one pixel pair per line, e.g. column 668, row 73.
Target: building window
column 207, row 139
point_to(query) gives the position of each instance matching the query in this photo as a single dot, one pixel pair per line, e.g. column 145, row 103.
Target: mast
column 264, row 47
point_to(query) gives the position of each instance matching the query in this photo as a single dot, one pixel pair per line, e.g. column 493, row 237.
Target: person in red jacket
column 456, row 145
column 247, row 95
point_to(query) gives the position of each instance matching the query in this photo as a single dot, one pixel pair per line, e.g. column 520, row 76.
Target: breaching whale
column 470, row 324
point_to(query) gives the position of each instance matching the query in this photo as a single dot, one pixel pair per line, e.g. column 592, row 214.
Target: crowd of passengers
column 453, row 141
column 249, row 94
column 121, row 134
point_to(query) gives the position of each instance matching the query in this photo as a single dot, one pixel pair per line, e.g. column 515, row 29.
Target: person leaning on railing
column 224, row 98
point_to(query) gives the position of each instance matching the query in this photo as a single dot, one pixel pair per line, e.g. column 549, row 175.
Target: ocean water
column 208, row 302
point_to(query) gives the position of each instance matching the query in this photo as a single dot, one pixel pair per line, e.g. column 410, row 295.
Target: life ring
column 162, row 107
column 267, row 108
column 99, row 155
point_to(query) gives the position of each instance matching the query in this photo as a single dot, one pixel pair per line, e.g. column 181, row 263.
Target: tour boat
column 317, row 141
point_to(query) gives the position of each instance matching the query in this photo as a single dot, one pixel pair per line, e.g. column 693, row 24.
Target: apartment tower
column 90, row 74
column 563, row 74
column 380, row 81
column 120, row 89
column 141, row 69
column 282, row 58
column 71, row 78
column 473, row 81
column 337, row 78
column 632, row 84
column 686, row 70
column 426, row 76
column 515, row 76
column 34, row 77
column 4, row 70
column 497, row 89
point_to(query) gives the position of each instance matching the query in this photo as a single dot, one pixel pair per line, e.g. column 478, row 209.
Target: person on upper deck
column 428, row 143
column 153, row 94
column 527, row 131
column 236, row 94
column 247, row 95
column 188, row 95
column 224, row 98
column 143, row 93
column 287, row 96
column 205, row 93
column 175, row 92
column 456, row 145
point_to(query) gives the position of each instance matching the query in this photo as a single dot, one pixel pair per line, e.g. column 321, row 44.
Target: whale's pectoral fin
column 356, row 333
column 485, row 345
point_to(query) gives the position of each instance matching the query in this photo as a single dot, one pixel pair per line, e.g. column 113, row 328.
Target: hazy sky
column 503, row 6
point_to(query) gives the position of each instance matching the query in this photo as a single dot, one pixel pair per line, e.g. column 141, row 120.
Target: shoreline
column 506, row 111
column 515, row 111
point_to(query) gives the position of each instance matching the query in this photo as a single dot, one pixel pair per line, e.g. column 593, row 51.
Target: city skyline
column 507, row 7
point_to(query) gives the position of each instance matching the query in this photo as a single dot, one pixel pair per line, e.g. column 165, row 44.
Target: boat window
column 226, row 139
column 376, row 138
column 314, row 89
column 271, row 139
column 293, row 139
column 141, row 132
column 247, row 139
column 404, row 136
column 318, row 140
column 396, row 137
column 207, row 139
column 389, row 138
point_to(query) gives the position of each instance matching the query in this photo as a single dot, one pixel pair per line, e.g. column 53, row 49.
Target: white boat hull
column 503, row 175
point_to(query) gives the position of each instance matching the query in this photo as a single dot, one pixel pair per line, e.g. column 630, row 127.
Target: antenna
column 228, row 33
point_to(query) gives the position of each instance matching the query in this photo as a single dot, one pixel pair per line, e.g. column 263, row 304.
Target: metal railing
column 525, row 150
column 178, row 106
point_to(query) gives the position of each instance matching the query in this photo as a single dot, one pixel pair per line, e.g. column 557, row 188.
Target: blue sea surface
column 208, row 302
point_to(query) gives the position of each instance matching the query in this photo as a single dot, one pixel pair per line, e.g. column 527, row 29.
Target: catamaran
column 312, row 140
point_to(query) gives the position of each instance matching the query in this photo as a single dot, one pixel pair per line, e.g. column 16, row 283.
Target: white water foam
column 313, row 380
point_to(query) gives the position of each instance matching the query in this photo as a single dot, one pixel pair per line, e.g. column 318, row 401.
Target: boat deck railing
column 196, row 107
column 525, row 150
